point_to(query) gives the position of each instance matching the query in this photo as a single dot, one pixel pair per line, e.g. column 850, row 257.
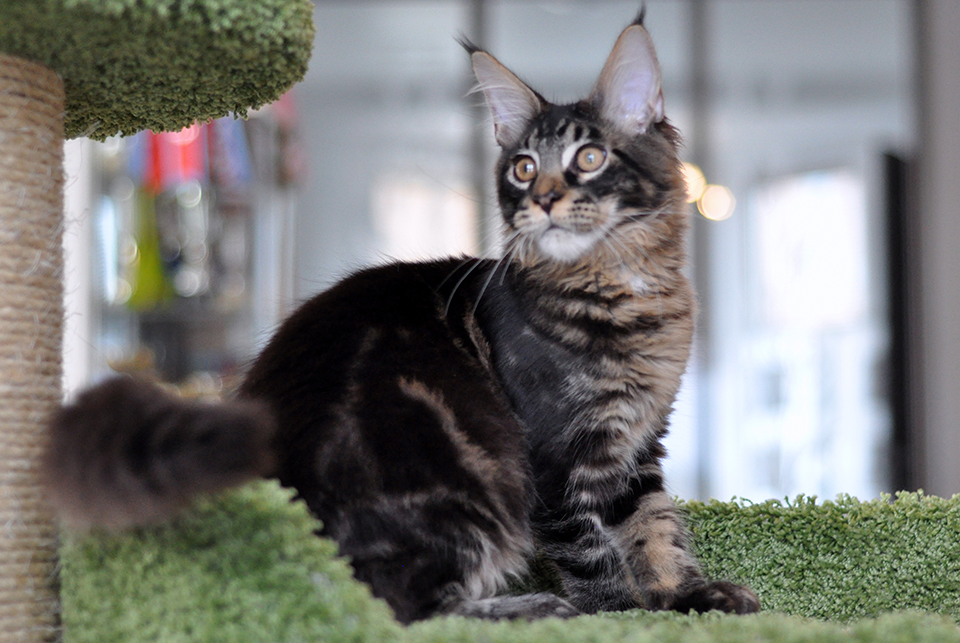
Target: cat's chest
column 557, row 386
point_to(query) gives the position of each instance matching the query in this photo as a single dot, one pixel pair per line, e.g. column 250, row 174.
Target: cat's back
column 320, row 341
column 374, row 389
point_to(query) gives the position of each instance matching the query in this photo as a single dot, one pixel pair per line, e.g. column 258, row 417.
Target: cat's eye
column 524, row 168
column 590, row 158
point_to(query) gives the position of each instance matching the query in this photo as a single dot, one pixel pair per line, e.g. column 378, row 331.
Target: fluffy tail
column 128, row 453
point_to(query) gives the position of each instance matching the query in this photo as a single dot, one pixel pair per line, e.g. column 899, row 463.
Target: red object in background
column 175, row 158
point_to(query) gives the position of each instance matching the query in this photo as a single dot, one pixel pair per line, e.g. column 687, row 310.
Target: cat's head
column 595, row 178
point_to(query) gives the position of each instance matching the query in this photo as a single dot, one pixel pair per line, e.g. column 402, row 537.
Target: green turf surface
column 837, row 560
column 129, row 65
column 246, row 567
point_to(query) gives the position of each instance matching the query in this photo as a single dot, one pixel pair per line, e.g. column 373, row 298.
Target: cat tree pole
column 94, row 68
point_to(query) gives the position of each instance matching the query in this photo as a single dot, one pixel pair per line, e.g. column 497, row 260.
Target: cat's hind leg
column 422, row 478
column 425, row 557
column 525, row 606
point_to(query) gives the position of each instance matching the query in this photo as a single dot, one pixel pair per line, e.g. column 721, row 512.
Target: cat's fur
column 444, row 419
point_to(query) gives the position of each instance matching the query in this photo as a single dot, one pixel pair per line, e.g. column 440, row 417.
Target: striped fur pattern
column 446, row 419
column 592, row 330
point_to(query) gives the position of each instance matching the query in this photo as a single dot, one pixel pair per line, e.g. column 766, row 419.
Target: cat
column 445, row 419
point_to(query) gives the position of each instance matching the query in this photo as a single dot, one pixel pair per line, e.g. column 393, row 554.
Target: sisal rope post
column 31, row 317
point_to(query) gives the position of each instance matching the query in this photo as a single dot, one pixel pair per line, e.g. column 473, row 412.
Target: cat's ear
column 628, row 91
column 512, row 104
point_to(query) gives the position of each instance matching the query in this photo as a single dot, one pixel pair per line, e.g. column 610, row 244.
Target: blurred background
column 823, row 217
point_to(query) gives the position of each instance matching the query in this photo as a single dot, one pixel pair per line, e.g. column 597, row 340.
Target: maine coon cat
column 444, row 419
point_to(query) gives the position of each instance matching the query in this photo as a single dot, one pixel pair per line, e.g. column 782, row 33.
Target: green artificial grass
column 129, row 65
column 243, row 567
column 246, row 567
column 837, row 560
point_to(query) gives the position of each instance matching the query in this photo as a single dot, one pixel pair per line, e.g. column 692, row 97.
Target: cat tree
column 94, row 68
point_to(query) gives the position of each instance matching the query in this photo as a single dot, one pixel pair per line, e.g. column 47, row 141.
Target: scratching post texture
column 31, row 314
column 94, row 68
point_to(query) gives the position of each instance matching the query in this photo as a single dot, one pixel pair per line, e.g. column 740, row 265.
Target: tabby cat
column 446, row 419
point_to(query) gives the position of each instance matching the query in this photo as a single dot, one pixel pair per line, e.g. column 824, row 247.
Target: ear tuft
column 512, row 104
column 467, row 44
column 628, row 92
column 641, row 15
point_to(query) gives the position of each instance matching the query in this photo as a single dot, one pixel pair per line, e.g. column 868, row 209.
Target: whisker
column 476, row 264
column 494, row 234
column 486, row 283
column 609, row 243
column 509, row 256
column 511, row 246
column 652, row 267
column 659, row 268
column 460, row 265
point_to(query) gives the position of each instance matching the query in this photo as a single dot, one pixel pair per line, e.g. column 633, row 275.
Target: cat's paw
column 718, row 595
column 526, row 606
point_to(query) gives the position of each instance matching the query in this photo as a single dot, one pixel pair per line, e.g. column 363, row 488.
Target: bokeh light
column 717, row 203
column 696, row 183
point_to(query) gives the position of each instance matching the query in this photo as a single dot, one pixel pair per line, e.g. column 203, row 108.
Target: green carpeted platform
column 246, row 567
column 129, row 65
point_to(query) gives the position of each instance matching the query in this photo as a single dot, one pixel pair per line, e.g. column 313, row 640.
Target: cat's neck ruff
column 630, row 272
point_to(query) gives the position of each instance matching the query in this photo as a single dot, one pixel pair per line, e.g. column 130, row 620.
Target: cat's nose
column 547, row 190
column 547, row 199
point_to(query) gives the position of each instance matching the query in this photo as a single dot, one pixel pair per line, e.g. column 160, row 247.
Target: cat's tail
column 129, row 453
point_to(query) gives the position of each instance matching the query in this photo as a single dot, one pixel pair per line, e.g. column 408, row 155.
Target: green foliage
column 129, row 65
column 247, row 567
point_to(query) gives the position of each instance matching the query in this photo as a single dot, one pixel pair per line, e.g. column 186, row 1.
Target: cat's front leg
column 657, row 551
column 591, row 567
